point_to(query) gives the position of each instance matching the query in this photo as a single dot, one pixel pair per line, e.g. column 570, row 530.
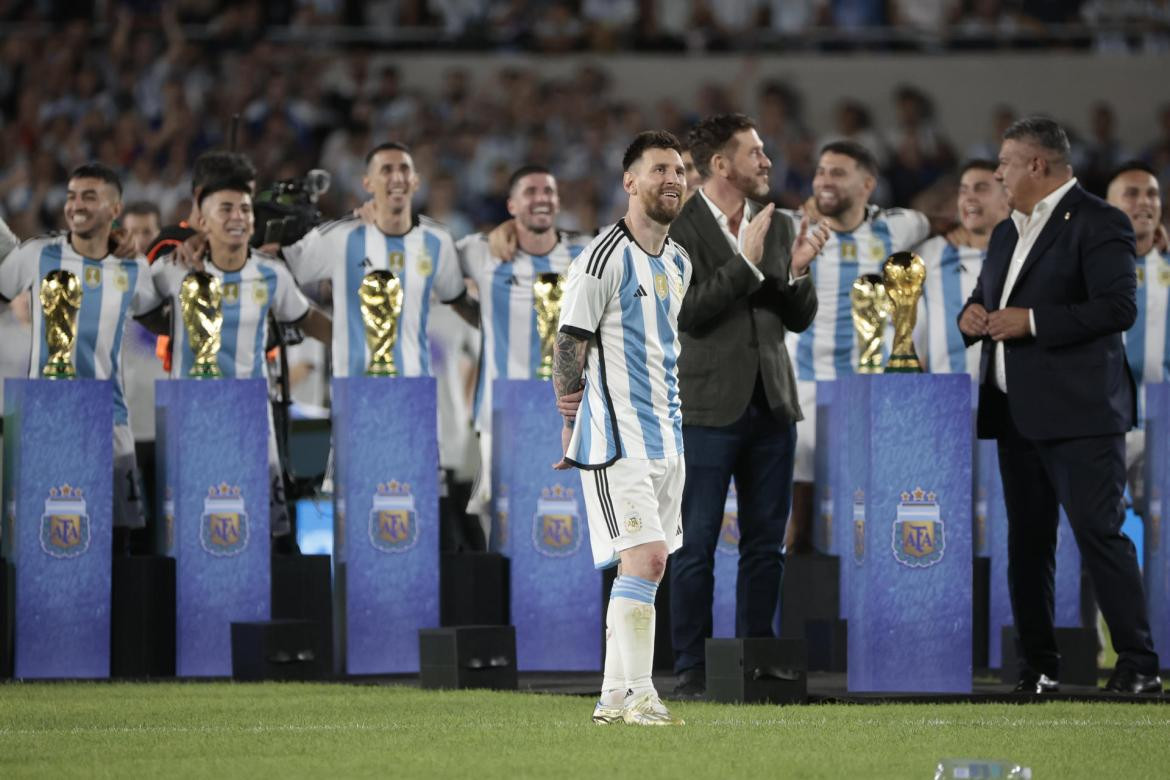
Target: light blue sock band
column 634, row 588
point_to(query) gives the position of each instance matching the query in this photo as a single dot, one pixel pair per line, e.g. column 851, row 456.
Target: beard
column 537, row 229
column 661, row 212
column 750, row 186
column 843, row 205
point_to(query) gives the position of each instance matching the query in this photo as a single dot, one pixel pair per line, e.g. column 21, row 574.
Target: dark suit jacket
column 1072, row 378
column 731, row 325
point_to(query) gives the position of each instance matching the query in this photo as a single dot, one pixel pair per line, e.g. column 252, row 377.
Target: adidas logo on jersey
column 366, row 263
column 639, row 293
column 512, row 281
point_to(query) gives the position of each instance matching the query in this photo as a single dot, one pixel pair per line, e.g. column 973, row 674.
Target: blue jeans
column 758, row 450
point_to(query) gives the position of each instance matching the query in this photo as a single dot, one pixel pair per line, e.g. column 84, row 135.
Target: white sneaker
column 604, row 714
column 646, row 709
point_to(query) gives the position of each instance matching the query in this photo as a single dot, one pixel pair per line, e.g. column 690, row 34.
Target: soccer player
column 252, row 284
column 510, row 346
column 862, row 237
column 1134, row 189
column 694, row 178
column 619, row 335
column 113, row 287
column 953, row 264
column 143, row 222
column 416, row 249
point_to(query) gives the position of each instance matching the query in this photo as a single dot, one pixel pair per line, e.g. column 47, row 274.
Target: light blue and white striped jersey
column 113, row 290
column 344, row 251
column 951, row 274
column 828, row 348
column 1146, row 346
column 509, row 345
column 263, row 284
column 626, row 303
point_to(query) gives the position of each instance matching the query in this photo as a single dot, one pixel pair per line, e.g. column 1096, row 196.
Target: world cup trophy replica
column 60, row 304
column 200, row 304
column 871, row 307
column 547, row 292
column 903, row 274
column 381, row 304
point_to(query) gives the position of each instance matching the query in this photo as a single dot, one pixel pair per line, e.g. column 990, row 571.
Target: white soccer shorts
column 633, row 502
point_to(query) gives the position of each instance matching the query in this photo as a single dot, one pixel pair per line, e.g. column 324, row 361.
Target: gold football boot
column 647, row 709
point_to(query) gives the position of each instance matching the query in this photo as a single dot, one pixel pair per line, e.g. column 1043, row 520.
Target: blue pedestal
column 556, row 593
column 1067, row 606
column 212, row 439
column 58, row 498
column 1156, row 547
column 386, row 521
column 908, row 466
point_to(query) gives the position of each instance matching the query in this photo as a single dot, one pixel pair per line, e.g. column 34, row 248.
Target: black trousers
column 1086, row 476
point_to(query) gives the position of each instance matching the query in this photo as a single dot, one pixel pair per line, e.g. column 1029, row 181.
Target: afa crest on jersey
column 729, row 531
column 919, row 539
column 556, row 525
column 393, row 518
column 65, row 523
column 223, row 528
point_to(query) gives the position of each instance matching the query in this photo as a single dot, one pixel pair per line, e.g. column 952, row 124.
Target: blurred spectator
column 1102, row 152
column 1002, row 117
column 920, row 155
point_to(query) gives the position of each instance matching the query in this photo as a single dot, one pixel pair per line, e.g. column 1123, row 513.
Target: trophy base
column 382, row 369
column 205, row 372
column 869, row 369
column 59, row 370
column 903, row 364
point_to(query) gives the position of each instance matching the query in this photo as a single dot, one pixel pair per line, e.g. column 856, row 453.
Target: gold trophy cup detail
column 871, row 307
column 60, row 304
column 547, row 292
column 904, row 273
column 200, row 304
column 381, row 304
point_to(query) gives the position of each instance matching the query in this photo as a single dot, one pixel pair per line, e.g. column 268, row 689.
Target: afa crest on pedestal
column 556, row 526
column 729, row 530
column 223, row 528
column 919, row 540
column 393, row 519
column 859, row 525
column 65, row 523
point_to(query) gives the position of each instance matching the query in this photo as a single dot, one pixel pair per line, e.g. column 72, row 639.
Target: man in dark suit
column 1054, row 296
column 738, row 393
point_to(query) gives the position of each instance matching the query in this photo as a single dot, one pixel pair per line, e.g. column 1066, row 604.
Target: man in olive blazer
column 751, row 285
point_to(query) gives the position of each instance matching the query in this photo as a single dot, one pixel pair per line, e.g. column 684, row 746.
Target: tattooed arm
column 568, row 374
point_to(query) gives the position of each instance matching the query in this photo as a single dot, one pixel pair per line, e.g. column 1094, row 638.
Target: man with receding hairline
column 1055, row 295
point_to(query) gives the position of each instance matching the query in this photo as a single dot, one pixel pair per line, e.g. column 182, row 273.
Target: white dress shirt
column 737, row 241
column 1029, row 227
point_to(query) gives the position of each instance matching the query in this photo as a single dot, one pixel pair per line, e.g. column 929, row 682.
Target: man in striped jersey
column 112, row 288
column 952, row 268
column 510, row 345
column 1134, row 189
column 862, row 237
column 619, row 336
column 252, row 284
column 416, row 249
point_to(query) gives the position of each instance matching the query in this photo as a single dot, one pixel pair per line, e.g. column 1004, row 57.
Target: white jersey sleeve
column 308, row 259
column 289, row 304
column 146, row 295
column 908, row 228
column 449, row 284
column 591, row 283
column 8, row 239
column 18, row 269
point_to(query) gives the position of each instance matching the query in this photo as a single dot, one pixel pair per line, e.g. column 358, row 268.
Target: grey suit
column 739, row 407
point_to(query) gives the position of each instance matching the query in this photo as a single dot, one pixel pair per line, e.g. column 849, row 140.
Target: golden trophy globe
column 904, row 273
column 60, row 305
column 380, row 294
column 871, row 307
column 547, row 292
column 200, row 299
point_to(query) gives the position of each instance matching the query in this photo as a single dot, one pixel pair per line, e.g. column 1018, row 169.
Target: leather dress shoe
column 692, row 683
column 1126, row 679
column 1036, row 684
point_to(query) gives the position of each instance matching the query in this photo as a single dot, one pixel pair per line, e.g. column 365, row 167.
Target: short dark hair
column 97, row 170
column 234, row 183
column 855, row 151
column 388, row 146
column 142, row 208
column 978, row 164
column 219, row 165
column 1133, row 165
column 711, row 135
column 1043, row 132
column 649, row 139
column 525, row 170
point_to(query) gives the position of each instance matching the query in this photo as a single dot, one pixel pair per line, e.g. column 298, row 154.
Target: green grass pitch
column 223, row 730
